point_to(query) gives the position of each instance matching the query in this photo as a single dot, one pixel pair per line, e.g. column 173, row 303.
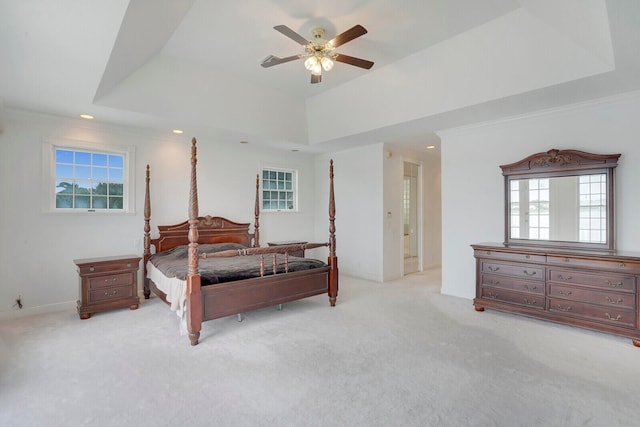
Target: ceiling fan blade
column 316, row 78
column 271, row 60
column 362, row 63
column 291, row 34
column 352, row 33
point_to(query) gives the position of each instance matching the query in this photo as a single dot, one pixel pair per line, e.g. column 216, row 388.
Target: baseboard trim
column 41, row 309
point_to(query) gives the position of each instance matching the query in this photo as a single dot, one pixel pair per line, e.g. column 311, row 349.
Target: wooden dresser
column 594, row 290
column 107, row 283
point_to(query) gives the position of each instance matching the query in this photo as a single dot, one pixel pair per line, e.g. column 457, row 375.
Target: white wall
column 368, row 185
column 472, row 183
column 359, row 209
column 429, row 212
column 37, row 249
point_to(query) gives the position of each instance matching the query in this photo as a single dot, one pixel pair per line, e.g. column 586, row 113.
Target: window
column 593, row 210
column 87, row 178
column 279, row 192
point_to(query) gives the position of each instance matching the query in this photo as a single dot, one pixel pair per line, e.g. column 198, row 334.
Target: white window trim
column 296, row 188
column 49, row 147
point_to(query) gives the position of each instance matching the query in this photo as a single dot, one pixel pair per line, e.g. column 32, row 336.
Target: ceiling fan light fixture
column 327, row 63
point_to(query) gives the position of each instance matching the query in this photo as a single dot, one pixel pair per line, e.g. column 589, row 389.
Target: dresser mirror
column 562, row 199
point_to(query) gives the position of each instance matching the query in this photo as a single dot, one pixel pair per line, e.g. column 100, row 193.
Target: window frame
column 295, row 187
column 49, row 175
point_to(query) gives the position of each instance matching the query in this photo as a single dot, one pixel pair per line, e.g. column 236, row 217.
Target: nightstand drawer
column 111, row 280
column 115, row 293
column 99, row 265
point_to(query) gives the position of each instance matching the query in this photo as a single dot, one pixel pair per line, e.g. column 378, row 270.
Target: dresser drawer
column 509, row 256
column 615, row 299
column 508, row 282
column 532, row 272
column 526, row 299
column 613, row 315
column 606, row 281
column 114, row 293
column 111, row 280
column 599, row 264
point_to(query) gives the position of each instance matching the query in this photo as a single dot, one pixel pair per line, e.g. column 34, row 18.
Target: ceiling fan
column 319, row 53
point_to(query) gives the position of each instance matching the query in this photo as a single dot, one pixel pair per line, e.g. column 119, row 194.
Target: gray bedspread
column 173, row 263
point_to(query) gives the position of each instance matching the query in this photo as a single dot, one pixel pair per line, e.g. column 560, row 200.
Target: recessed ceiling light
column 87, row 116
column 178, row 131
column 429, row 147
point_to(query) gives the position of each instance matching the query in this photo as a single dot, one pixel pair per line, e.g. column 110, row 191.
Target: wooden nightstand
column 298, row 253
column 107, row 283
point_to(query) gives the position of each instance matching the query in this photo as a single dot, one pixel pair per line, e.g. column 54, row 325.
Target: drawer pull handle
column 492, row 295
column 92, row 268
column 528, row 256
column 493, row 283
column 566, row 279
column 529, row 302
column 492, row 268
column 129, row 264
column 614, row 285
column 567, row 260
column 561, row 308
column 618, row 317
column 488, row 252
column 533, row 288
column 533, row 273
column 565, row 293
column 110, row 294
column 622, row 265
column 618, row 301
column 115, row 279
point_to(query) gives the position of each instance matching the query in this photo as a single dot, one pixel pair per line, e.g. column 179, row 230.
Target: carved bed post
column 333, row 259
column 194, row 296
column 147, row 236
column 256, row 226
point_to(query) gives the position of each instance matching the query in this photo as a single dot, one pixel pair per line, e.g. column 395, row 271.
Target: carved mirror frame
column 559, row 163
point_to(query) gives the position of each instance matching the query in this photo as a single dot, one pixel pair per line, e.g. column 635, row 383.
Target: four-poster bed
column 214, row 267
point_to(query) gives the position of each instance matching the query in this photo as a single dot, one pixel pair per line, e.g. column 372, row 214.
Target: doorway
column 411, row 218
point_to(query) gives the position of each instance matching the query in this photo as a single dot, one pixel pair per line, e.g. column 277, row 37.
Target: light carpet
column 393, row 354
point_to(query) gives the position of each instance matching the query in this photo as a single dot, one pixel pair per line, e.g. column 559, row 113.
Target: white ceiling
column 195, row 64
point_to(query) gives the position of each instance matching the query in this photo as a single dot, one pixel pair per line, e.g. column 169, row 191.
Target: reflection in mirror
column 561, row 199
column 567, row 208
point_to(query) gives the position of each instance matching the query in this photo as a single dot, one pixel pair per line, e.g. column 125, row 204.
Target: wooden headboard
column 211, row 229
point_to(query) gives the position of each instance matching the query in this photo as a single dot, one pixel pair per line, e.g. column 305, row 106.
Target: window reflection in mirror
column 565, row 208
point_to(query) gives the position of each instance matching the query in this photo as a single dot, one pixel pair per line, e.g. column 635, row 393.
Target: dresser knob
column 92, row 268
column 128, row 264
column 622, row 265
column 618, row 317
